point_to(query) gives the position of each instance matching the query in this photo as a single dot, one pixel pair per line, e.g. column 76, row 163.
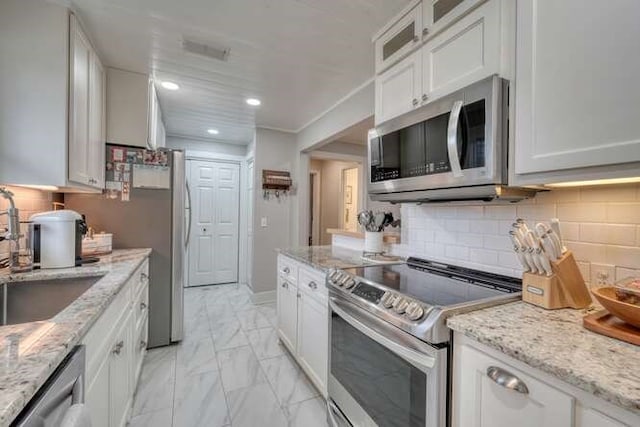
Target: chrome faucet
column 13, row 228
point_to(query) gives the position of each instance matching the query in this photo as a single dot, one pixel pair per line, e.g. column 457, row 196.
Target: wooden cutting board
column 602, row 322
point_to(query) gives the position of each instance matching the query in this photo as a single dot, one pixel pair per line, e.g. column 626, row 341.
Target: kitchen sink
column 29, row 301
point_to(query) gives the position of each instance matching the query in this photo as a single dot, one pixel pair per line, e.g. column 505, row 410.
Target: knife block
column 565, row 288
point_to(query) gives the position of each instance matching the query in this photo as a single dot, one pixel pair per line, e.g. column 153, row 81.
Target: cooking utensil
column 522, row 258
column 549, row 248
column 524, row 250
column 555, row 226
column 544, row 261
column 378, row 220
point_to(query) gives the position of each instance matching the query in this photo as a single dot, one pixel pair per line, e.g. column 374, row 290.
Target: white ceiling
column 298, row 56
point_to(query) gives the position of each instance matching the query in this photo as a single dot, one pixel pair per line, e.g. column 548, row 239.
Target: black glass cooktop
column 438, row 284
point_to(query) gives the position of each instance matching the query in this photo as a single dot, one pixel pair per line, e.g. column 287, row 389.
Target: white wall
column 180, row 143
column 273, row 150
column 600, row 225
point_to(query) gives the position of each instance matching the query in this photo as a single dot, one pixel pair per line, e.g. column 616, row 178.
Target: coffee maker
column 56, row 239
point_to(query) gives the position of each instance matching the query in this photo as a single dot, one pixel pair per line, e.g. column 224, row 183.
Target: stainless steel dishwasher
column 63, row 389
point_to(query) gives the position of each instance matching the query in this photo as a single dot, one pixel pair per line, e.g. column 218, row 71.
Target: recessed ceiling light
column 170, row 85
column 213, row 131
column 253, row 102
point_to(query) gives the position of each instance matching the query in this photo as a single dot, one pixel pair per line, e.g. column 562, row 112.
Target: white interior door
column 213, row 244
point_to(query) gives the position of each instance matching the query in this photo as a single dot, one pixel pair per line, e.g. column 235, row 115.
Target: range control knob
column 344, row 279
column 334, row 275
column 400, row 305
column 350, row 283
column 387, row 299
column 414, row 311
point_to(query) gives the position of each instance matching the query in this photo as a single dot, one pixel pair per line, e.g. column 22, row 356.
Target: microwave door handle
column 452, row 139
column 422, row 361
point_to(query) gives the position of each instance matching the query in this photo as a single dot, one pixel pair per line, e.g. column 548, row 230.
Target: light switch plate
column 263, row 221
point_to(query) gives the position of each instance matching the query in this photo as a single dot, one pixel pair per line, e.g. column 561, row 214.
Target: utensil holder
column 373, row 242
column 564, row 289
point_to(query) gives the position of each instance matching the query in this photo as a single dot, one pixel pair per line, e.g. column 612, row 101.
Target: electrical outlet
column 602, row 274
column 263, row 221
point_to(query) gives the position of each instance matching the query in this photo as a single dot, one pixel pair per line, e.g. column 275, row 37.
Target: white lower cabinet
column 303, row 325
column 313, row 338
column 114, row 355
column 491, row 389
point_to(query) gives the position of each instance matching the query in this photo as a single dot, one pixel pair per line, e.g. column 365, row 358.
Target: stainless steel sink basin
column 22, row 302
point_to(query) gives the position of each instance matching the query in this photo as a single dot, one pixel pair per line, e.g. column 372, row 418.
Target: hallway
column 230, row 370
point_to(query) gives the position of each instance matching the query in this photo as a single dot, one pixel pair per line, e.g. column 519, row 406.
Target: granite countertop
column 555, row 342
column 42, row 345
column 327, row 257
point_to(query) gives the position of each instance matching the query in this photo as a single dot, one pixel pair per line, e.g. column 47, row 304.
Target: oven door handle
column 419, row 359
column 452, row 139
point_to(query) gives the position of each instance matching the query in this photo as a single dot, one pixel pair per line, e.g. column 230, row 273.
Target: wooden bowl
column 630, row 313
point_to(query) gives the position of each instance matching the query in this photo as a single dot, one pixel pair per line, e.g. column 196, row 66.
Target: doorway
column 314, row 208
column 350, row 195
column 215, row 212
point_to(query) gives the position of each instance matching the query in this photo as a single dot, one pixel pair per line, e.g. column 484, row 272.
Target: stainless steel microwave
column 454, row 148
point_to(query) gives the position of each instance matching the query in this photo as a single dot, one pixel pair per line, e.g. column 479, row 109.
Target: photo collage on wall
column 132, row 167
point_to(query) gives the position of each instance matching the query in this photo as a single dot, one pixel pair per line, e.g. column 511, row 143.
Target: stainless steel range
column 389, row 344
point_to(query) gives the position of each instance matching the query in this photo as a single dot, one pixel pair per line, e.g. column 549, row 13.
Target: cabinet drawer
column 312, row 282
column 141, row 307
column 287, row 269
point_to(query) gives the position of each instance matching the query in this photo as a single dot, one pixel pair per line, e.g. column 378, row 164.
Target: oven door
column 380, row 375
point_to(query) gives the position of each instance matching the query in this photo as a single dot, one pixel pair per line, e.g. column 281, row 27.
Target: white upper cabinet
column 464, row 42
column 577, row 91
column 466, row 52
column 401, row 38
column 398, row 90
column 131, row 109
column 51, row 108
column 86, row 110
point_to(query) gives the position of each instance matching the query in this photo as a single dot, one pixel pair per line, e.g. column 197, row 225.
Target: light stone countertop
column 44, row 344
column 327, row 257
column 555, row 342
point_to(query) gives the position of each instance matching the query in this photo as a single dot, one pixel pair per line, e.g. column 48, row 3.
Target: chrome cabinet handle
column 425, row 31
column 313, row 285
column 188, row 233
column 143, row 344
column 452, row 139
column 118, row 348
column 506, row 379
column 286, row 270
column 424, row 97
column 143, row 306
column 285, row 285
column 416, row 39
column 144, row 277
column 299, row 295
column 415, row 102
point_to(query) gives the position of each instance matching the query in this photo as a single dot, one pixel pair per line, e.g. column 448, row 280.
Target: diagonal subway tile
column 239, row 368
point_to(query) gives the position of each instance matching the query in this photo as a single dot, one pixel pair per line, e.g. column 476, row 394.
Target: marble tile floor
column 230, row 370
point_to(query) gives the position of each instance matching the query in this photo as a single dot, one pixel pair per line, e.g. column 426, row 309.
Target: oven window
column 389, row 389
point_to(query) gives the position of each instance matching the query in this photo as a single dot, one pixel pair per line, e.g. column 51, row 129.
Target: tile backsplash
column 28, row 201
column 601, row 225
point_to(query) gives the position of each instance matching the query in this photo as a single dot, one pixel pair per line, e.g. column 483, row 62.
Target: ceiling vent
column 221, row 54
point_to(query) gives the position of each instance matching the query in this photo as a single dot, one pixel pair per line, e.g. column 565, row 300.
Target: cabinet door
column 398, row 89
column 153, row 117
column 400, row 39
column 97, row 123
column 478, row 400
column 287, row 314
column 120, row 387
column 464, row 53
column 97, row 396
column 577, row 88
column 313, row 339
column 79, row 93
column 439, row 14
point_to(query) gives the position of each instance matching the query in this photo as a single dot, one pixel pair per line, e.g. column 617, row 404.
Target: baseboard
column 264, row 297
